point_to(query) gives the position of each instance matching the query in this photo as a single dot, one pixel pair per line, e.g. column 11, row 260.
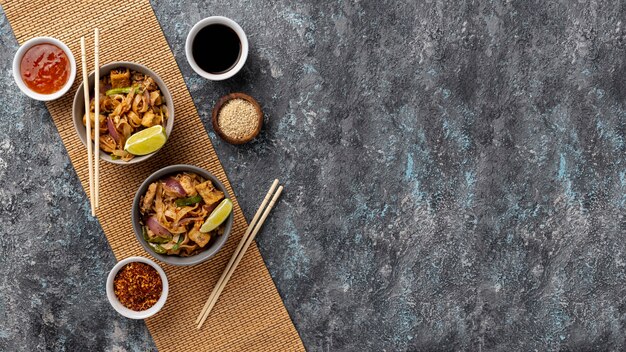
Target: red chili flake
column 138, row 286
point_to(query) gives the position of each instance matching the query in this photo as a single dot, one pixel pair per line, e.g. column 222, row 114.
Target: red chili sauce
column 45, row 68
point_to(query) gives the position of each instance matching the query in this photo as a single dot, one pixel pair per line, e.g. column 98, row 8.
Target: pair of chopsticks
column 94, row 180
column 245, row 242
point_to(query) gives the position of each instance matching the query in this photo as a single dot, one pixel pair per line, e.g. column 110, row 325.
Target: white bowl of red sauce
column 44, row 68
column 137, row 287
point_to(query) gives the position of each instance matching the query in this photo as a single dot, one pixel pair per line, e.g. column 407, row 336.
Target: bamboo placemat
column 250, row 314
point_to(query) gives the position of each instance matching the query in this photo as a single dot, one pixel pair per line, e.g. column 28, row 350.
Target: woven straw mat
column 249, row 315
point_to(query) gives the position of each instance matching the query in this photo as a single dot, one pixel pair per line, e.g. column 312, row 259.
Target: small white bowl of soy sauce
column 216, row 48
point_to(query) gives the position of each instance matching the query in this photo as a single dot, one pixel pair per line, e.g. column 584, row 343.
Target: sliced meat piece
column 149, row 198
column 209, row 194
column 147, row 119
column 200, row 238
column 187, row 184
column 155, row 98
column 120, row 78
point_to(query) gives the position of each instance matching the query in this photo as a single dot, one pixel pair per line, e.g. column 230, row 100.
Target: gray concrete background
column 455, row 179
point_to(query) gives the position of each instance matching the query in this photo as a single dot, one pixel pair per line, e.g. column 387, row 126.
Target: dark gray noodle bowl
column 207, row 253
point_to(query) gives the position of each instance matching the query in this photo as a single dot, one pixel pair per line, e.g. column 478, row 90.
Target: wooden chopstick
column 241, row 255
column 236, row 253
column 96, row 58
column 88, row 126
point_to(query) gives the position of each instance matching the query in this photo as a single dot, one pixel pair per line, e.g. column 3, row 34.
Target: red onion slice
column 171, row 184
column 112, row 130
column 146, row 98
column 156, row 228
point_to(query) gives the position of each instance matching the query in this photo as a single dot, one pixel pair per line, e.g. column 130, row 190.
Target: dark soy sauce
column 216, row 48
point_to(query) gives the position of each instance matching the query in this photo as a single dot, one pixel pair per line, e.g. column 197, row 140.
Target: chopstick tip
column 276, row 195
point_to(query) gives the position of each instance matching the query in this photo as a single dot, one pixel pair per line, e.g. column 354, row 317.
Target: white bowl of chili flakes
column 137, row 287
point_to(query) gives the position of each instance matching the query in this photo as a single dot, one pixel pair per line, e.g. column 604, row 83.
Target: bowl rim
column 17, row 59
column 104, row 69
column 232, row 25
column 119, row 307
column 175, row 260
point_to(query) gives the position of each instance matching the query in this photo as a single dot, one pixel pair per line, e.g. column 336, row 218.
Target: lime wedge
column 146, row 141
column 218, row 216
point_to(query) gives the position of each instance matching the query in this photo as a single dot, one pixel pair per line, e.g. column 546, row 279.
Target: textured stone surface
column 455, row 179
